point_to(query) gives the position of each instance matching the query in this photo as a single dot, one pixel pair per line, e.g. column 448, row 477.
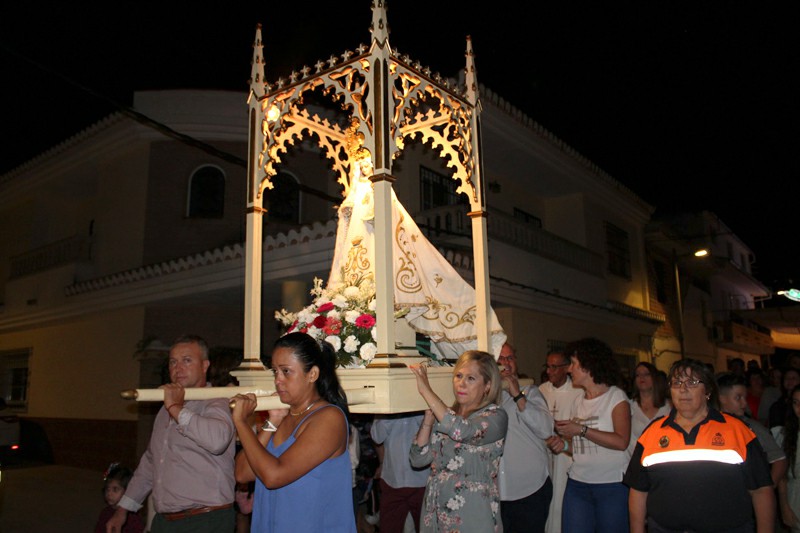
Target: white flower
column 351, row 316
column 455, row 463
column 314, row 332
column 317, row 290
column 372, row 305
column 368, row 351
column 333, row 313
column 335, row 341
column 456, row 502
column 351, row 344
column 306, row 315
column 351, row 292
column 339, row 301
column 374, row 333
column 285, row 317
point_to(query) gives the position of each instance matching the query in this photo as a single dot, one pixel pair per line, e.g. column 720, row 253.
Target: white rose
column 351, row 344
column 372, row 305
column 351, row 316
column 368, row 351
column 314, row 332
column 334, row 341
column 351, row 292
column 306, row 316
column 339, row 301
column 334, row 314
column 374, row 333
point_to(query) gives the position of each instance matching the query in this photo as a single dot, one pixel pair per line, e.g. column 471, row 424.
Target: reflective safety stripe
column 731, row 457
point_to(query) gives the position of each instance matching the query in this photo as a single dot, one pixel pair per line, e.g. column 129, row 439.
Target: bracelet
column 518, row 397
column 566, row 446
column 583, row 431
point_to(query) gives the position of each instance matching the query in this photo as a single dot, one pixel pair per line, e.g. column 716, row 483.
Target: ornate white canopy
column 384, row 100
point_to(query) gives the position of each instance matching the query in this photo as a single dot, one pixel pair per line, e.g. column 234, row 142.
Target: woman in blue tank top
column 302, row 471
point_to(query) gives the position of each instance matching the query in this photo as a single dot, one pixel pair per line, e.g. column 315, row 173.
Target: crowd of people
column 587, row 450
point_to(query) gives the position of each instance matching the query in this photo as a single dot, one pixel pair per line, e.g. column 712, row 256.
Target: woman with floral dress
column 463, row 444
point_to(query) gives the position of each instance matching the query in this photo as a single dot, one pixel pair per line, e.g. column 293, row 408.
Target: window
column 438, row 190
column 660, row 280
column 14, row 377
column 527, row 218
column 618, row 251
column 282, row 202
column 206, row 193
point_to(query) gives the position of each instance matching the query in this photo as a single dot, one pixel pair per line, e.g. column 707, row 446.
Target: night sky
column 690, row 106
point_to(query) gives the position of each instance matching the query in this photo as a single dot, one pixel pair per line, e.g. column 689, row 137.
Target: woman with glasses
column 649, row 400
column 597, row 435
column 699, row 469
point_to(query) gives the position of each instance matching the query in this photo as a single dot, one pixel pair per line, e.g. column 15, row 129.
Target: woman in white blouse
column 649, row 400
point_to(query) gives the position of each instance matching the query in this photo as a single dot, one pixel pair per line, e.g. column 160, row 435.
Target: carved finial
column 471, row 79
column 379, row 27
column 257, row 70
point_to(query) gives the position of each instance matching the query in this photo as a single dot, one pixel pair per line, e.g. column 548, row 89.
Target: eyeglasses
column 555, row 367
column 690, row 383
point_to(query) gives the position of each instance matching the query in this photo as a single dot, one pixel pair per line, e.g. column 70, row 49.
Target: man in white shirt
column 560, row 395
column 525, row 486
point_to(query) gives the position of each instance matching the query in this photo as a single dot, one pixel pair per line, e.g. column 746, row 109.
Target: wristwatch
column 518, row 397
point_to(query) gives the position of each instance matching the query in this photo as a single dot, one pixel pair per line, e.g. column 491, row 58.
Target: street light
column 792, row 294
column 698, row 253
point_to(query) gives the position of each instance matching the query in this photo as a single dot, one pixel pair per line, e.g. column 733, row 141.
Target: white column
column 480, row 249
column 384, row 286
column 252, row 290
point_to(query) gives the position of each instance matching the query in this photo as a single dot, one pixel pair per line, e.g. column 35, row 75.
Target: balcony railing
column 71, row 250
column 450, row 222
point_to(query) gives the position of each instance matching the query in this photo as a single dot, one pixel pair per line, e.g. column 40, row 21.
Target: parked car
column 9, row 435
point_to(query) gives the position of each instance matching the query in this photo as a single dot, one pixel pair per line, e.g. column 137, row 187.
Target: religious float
column 387, row 282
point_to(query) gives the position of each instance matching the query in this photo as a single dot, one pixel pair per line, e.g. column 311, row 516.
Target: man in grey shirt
column 525, row 486
column 402, row 486
column 188, row 464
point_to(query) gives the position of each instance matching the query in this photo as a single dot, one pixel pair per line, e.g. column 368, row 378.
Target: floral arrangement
column 343, row 316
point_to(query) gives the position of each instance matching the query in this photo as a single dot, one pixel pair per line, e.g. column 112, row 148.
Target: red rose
column 291, row 328
column 320, row 322
column 365, row 321
column 324, row 308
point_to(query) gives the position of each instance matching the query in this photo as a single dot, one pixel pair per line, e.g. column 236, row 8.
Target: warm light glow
column 792, row 294
column 273, row 113
column 701, row 253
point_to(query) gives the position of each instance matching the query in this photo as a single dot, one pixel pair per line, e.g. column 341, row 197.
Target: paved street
column 49, row 498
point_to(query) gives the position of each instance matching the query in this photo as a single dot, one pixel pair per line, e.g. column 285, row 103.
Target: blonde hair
column 487, row 366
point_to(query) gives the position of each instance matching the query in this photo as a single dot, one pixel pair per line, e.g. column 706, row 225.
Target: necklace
column 304, row 410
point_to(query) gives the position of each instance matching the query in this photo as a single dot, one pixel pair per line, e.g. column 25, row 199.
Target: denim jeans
column 594, row 507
